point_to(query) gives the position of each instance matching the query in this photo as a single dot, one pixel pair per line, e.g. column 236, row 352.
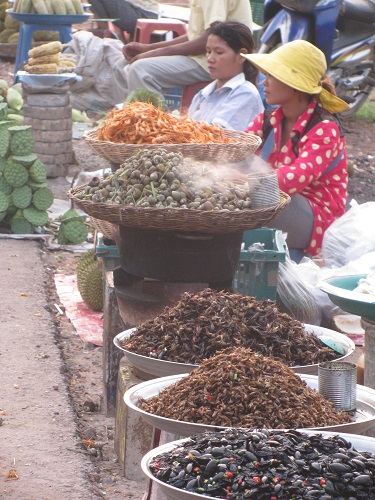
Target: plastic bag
column 350, row 236
column 296, row 294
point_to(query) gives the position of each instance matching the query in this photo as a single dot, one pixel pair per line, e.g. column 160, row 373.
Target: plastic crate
column 257, row 270
column 257, row 11
column 109, row 254
column 173, row 98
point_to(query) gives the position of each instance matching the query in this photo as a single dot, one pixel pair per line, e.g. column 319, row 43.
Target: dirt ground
column 51, row 387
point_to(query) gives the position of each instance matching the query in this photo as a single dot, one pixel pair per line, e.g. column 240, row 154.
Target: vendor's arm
column 202, row 15
column 187, row 48
column 132, row 49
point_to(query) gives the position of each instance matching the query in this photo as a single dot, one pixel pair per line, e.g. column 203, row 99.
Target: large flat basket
column 179, row 219
column 245, row 145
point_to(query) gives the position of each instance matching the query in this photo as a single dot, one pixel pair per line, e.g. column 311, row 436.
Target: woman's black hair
column 238, row 36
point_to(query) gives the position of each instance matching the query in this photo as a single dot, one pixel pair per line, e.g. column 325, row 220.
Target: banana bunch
column 60, row 7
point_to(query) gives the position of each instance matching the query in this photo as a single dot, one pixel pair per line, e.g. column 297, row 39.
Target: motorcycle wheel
column 347, row 90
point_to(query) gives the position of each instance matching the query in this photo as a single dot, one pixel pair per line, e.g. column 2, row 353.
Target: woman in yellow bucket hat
column 303, row 142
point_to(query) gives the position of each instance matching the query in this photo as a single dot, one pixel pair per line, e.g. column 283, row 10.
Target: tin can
column 264, row 190
column 337, row 382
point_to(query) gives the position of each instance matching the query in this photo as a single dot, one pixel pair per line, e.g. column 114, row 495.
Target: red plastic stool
column 145, row 27
column 189, row 91
column 117, row 32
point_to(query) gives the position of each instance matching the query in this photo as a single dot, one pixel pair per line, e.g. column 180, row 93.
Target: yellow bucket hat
column 300, row 65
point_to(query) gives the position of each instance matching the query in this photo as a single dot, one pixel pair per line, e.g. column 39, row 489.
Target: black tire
column 355, row 96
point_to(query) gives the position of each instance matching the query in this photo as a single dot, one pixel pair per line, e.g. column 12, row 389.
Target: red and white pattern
column 326, row 192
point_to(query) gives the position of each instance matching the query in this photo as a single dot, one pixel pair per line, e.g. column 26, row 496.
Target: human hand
column 146, row 55
column 132, row 49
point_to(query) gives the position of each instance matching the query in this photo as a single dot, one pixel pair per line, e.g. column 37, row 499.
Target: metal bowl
column 167, row 492
column 363, row 420
column 161, row 368
column 153, row 367
column 340, row 291
column 49, row 19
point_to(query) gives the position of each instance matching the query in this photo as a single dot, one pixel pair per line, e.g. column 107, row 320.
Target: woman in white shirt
column 232, row 100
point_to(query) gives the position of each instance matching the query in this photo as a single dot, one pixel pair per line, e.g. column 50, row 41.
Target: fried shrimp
column 143, row 123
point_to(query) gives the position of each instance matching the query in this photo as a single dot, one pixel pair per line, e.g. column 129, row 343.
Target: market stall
column 172, row 186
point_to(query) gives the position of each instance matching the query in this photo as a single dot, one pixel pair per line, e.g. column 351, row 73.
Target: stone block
column 56, row 148
column 50, row 125
column 53, row 113
column 52, row 136
column 62, row 159
column 56, row 170
column 112, row 325
column 369, row 350
column 133, row 436
column 48, row 100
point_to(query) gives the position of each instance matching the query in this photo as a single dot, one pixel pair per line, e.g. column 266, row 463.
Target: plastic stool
column 189, row 91
column 117, row 32
column 145, row 27
column 25, row 39
column 180, row 97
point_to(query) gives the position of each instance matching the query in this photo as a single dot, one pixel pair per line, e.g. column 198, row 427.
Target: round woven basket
column 179, row 219
column 108, row 229
column 245, row 145
column 8, row 51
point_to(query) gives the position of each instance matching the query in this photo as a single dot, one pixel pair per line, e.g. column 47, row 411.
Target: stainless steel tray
column 161, row 368
column 360, row 443
column 363, row 420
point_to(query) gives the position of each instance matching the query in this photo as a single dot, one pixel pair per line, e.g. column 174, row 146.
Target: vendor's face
column 276, row 92
column 223, row 62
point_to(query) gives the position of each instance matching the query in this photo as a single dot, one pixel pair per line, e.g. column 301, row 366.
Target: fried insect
column 241, row 388
column 202, row 324
column 12, row 475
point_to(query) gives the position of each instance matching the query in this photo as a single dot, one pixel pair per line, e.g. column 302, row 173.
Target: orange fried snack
column 143, row 123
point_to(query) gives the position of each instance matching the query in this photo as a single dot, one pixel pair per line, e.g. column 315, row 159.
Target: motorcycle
column 343, row 29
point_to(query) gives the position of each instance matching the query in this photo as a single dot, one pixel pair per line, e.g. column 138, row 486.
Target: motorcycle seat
column 359, row 10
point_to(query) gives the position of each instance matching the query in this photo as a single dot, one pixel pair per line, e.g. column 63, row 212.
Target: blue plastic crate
column 109, row 254
column 257, row 270
column 257, row 7
column 173, row 98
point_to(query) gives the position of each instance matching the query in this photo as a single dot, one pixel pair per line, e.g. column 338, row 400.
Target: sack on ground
column 95, row 58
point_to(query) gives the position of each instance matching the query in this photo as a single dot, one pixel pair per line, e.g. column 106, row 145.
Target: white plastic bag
column 350, row 236
column 296, row 293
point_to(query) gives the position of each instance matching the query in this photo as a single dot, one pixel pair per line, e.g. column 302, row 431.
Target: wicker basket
column 107, row 229
column 8, row 51
column 179, row 219
column 245, row 145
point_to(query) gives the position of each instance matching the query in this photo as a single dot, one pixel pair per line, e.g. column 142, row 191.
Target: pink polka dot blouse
column 327, row 192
